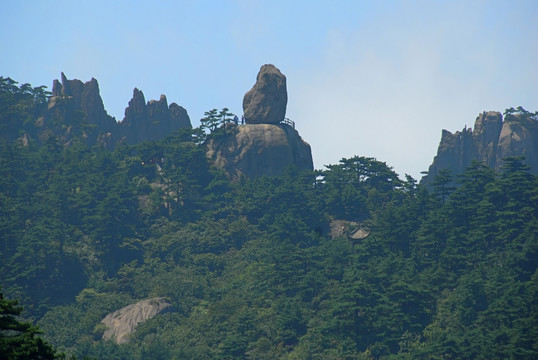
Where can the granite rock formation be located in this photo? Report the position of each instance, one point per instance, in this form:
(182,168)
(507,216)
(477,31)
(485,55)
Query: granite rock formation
(254,150)
(519,138)
(265,145)
(80,107)
(266,102)
(77,103)
(152,120)
(121,323)
(491,140)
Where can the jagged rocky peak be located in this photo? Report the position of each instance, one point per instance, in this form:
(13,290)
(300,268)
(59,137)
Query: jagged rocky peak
(158,108)
(69,97)
(492,139)
(84,95)
(179,117)
(152,120)
(136,112)
(266,102)
(72,88)
(264,146)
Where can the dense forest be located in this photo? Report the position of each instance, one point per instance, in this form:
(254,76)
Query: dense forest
(250,267)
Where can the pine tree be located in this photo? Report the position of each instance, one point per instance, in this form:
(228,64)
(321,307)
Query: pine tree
(19,340)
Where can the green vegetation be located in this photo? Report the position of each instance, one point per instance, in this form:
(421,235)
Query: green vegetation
(18,339)
(250,267)
(214,120)
(19,107)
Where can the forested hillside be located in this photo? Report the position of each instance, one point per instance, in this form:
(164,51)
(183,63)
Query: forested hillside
(250,267)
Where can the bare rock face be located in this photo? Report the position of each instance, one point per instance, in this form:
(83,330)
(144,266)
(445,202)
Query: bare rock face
(254,150)
(151,121)
(491,140)
(76,109)
(179,119)
(266,102)
(518,138)
(454,152)
(72,88)
(122,323)
(76,103)
(487,129)
(133,126)
(92,104)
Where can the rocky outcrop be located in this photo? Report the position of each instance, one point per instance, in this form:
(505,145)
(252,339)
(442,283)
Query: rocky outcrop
(254,150)
(519,137)
(487,128)
(265,145)
(80,106)
(76,109)
(266,102)
(92,105)
(151,121)
(122,323)
(491,140)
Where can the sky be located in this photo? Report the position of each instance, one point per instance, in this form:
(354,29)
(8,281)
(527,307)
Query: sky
(369,78)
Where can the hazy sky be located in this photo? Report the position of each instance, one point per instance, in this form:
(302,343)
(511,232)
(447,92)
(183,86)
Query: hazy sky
(369,78)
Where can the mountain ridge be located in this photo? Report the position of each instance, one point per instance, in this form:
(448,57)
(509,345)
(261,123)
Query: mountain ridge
(75,109)
(493,139)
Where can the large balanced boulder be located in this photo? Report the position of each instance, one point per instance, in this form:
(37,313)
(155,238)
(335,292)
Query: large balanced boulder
(266,102)
(121,323)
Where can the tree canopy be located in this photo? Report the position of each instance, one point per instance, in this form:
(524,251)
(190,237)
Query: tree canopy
(250,267)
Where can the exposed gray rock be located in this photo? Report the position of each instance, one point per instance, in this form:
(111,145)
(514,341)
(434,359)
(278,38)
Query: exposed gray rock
(179,119)
(92,104)
(518,138)
(491,140)
(76,111)
(134,125)
(151,121)
(254,150)
(72,88)
(487,129)
(122,323)
(266,102)
(77,103)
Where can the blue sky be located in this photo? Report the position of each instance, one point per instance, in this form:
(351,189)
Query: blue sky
(368,78)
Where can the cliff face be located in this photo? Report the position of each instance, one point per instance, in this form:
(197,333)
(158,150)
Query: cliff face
(519,138)
(76,109)
(491,140)
(254,150)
